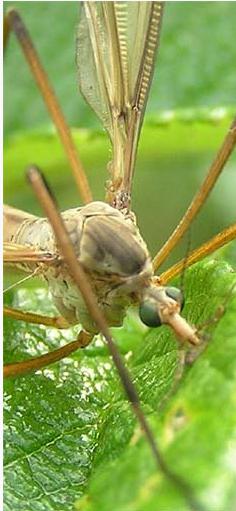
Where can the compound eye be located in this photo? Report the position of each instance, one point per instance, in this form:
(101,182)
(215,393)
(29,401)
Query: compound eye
(148,314)
(175,294)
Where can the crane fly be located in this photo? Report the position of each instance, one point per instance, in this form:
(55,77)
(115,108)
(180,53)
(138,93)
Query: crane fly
(93,257)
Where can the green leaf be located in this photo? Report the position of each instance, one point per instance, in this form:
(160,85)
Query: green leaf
(70,433)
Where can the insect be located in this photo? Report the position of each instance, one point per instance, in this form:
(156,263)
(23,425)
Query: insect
(122,273)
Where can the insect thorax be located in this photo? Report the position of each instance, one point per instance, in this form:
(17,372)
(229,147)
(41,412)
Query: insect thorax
(111,251)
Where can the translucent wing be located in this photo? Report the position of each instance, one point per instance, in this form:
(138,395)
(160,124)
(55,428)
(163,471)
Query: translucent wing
(117,43)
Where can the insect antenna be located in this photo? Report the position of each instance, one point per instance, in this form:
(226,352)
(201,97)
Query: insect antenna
(81,279)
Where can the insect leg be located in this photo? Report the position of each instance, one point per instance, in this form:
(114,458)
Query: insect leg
(13,21)
(80,278)
(30,317)
(199,253)
(34,364)
(201,196)
(6,31)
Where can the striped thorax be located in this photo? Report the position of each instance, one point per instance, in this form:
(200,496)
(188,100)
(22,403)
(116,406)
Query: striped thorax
(110,248)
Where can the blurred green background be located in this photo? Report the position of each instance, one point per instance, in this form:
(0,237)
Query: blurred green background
(190,108)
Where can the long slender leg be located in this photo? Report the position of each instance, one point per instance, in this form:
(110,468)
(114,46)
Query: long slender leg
(14,22)
(34,364)
(6,32)
(199,253)
(30,317)
(82,281)
(201,196)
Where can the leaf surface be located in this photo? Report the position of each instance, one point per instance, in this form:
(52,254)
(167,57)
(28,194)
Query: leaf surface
(70,431)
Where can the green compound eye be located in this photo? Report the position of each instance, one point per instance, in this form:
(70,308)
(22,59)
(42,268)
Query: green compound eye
(175,294)
(148,314)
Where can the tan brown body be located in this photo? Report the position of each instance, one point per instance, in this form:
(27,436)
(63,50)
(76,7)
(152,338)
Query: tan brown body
(107,244)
